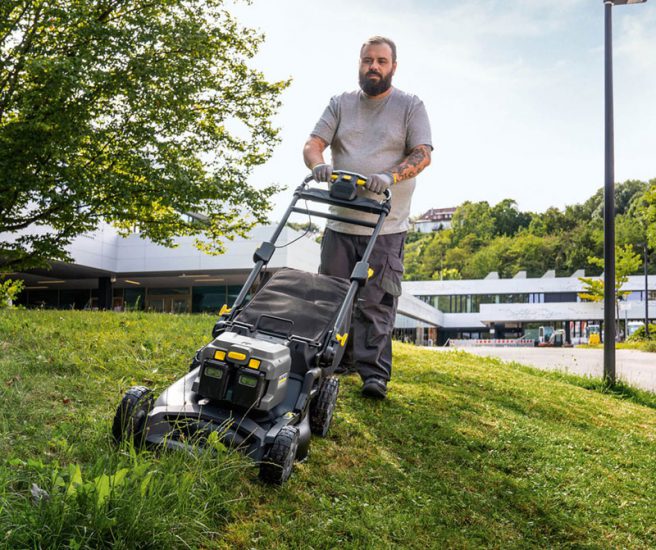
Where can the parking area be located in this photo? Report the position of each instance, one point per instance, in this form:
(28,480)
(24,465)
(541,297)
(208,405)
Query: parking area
(637,368)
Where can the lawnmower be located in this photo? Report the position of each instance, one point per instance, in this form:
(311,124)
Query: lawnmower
(265,382)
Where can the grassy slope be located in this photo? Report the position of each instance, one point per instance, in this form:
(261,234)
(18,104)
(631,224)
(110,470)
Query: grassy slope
(466,452)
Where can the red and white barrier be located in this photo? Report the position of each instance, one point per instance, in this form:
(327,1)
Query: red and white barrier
(502,342)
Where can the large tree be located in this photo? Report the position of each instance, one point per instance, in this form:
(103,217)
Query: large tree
(132,112)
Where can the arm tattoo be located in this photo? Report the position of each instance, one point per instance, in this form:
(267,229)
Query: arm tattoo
(413,164)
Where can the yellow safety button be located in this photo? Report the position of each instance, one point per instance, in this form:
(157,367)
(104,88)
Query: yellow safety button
(220,355)
(342,338)
(237,356)
(346,177)
(361,181)
(370,273)
(254,363)
(225,309)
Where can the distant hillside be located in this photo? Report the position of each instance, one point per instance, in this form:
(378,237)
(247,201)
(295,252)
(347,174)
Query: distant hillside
(501,238)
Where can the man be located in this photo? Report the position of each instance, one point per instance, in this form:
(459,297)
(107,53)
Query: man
(383,134)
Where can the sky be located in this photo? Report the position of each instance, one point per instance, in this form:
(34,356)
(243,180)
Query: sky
(514,90)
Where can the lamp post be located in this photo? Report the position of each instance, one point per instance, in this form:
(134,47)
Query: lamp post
(609,197)
(646,293)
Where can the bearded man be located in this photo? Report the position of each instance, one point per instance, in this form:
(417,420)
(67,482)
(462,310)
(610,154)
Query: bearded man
(383,134)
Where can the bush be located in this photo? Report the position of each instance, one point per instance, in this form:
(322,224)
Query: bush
(9,290)
(639,334)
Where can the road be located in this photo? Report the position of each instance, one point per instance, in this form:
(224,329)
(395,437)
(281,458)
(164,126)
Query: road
(637,368)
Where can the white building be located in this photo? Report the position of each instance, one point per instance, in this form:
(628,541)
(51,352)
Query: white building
(434,219)
(510,308)
(110,272)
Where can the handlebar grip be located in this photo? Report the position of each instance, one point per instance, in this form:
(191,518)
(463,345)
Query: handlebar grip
(360,180)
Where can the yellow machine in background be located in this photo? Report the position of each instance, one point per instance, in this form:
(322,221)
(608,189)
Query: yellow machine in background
(593,334)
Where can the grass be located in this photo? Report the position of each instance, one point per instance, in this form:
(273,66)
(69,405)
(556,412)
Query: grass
(466,452)
(640,345)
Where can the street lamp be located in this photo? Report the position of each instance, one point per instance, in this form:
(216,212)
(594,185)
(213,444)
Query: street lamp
(609,199)
(646,292)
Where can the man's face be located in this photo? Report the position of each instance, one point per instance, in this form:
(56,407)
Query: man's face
(376,69)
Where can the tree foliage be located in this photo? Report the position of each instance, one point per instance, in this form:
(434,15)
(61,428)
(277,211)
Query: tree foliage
(627,261)
(9,291)
(501,238)
(132,112)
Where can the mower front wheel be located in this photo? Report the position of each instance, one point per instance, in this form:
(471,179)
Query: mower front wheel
(130,417)
(323,406)
(277,466)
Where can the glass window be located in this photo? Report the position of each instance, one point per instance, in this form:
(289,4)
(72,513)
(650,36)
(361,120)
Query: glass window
(73,299)
(444,304)
(134,298)
(208,299)
(43,298)
(555,297)
(167,291)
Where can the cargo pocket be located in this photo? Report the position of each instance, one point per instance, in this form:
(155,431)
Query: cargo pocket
(391,281)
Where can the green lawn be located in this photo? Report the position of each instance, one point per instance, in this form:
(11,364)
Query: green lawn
(466,453)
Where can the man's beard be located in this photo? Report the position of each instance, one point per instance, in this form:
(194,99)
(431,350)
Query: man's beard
(374,88)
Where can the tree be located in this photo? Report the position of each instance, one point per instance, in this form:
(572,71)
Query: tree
(488,258)
(134,113)
(508,219)
(473,220)
(627,262)
(648,213)
(533,254)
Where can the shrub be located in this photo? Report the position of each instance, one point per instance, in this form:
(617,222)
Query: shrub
(9,290)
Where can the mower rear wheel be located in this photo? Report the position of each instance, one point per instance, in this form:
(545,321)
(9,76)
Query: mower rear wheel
(323,406)
(277,465)
(130,417)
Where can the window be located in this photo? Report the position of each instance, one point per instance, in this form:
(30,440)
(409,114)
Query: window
(208,299)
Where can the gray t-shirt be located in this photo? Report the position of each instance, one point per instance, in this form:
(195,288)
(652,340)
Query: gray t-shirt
(369,136)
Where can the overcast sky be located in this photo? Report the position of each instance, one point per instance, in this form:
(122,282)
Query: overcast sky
(513,89)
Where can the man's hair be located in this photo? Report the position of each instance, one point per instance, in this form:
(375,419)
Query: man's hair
(380,40)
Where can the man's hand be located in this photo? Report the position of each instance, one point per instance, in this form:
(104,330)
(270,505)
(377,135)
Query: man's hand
(378,183)
(322,172)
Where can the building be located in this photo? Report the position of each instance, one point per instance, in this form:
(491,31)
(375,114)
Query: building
(512,308)
(111,272)
(434,219)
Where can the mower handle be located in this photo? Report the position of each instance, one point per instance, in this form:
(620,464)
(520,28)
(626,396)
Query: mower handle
(360,180)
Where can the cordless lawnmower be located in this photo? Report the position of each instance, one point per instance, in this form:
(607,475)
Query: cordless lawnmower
(265,382)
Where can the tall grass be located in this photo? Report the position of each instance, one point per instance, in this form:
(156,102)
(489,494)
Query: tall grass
(121,499)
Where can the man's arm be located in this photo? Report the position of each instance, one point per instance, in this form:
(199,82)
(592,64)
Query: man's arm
(313,151)
(413,164)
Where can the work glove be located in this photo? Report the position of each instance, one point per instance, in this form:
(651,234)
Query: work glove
(322,172)
(379,183)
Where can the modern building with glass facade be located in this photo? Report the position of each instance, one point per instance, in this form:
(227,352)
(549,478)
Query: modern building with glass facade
(111,272)
(511,308)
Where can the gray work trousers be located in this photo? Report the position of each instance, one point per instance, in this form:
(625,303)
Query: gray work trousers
(369,346)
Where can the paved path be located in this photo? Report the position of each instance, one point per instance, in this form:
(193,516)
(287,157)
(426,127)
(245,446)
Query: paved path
(638,368)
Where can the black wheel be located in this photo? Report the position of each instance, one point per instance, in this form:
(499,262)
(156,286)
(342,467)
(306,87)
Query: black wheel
(277,465)
(323,406)
(130,417)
